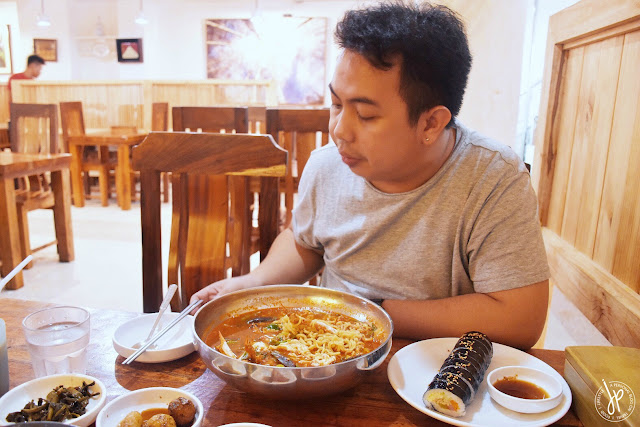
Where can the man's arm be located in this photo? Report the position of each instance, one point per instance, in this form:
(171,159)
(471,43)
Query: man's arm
(513,317)
(287,262)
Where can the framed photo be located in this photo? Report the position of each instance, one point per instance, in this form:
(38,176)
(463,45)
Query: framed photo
(244,49)
(129,50)
(46,48)
(5,50)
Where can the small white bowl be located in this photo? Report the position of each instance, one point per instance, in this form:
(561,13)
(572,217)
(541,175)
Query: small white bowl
(548,383)
(146,398)
(15,399)
(176,343)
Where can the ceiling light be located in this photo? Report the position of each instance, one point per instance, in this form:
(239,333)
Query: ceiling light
(140,18)
(43,20)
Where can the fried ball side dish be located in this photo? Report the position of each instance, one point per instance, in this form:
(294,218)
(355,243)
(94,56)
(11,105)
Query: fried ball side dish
(160,420)
(133,419)
(183,411)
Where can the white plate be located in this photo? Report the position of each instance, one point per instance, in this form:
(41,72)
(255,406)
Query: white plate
(146,398)
(413,367)
(15,399)
(176,343)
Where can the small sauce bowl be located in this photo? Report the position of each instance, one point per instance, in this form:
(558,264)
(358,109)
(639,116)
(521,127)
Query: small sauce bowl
(548,383)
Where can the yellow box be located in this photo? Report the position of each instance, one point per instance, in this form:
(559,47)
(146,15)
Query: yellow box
(605,383)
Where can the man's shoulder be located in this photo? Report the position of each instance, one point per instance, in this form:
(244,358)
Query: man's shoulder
(19,76)
(495,153)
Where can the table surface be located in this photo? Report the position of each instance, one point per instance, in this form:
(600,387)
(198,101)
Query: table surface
(371,403)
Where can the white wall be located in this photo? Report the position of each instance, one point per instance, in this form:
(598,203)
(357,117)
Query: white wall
(174,48)
(9,15)
(535,45)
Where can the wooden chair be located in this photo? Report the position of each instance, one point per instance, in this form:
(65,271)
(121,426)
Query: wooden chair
(215,119)
(160,123)
(202,222)
(34,130)
(92,160)
(296,131)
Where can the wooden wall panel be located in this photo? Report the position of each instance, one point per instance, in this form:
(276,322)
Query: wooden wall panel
(565,122)
(128,103)
(594,258)
(616,246)
(626,264)
(591,142)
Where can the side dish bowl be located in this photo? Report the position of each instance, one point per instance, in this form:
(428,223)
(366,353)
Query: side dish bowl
(176,343)
(290,382)
(145,398)
(527,406)
(15,399)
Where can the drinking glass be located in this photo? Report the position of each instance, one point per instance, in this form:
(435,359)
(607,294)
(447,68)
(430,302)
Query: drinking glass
(57,339)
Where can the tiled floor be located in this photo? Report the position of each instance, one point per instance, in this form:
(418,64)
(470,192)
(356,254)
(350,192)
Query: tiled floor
(107,271)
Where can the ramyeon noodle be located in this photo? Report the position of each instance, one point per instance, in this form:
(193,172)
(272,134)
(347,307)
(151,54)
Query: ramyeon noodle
(322,342)
(295,337)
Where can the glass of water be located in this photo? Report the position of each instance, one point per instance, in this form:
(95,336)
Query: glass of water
(57,339)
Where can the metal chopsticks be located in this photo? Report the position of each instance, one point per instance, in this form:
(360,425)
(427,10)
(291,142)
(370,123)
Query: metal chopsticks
(157,336)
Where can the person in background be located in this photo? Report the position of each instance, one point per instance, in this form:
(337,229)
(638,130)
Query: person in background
(34,67)
(410,207)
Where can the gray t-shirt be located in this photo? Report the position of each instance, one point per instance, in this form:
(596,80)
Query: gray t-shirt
(472,227)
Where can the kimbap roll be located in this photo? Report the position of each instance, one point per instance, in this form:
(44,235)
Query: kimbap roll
(459,378)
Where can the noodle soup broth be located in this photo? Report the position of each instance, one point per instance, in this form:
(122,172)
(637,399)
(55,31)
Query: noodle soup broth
(294,337)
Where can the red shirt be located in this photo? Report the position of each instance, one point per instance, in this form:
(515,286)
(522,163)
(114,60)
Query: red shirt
(17,76)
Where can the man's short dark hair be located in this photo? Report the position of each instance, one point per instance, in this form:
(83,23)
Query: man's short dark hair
(431,41)
(34,59)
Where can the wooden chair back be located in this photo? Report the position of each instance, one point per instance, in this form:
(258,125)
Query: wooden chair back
(257,119)
(210,119)
(34,128)
(213,189)
(159,116)
(202,224)
(92,158)
(296,130)
(72,120)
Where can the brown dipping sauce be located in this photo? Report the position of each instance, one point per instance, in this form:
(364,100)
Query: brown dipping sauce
(519,388)
(148,413)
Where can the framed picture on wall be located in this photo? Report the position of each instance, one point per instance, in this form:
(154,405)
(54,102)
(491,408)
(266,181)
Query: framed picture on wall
(5,50)
(129,50)
(46,48)
(290,50)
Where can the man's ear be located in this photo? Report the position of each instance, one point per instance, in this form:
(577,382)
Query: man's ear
(433,122)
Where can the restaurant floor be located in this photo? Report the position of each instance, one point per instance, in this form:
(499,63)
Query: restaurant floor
(107,270)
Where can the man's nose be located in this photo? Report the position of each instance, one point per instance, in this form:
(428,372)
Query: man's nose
(342,130)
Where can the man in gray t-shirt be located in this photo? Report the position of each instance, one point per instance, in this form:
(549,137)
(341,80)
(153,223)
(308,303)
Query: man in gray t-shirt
(472,227)
(410,207)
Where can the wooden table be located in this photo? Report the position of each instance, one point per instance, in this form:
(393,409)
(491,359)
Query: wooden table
(372,403)
(15,165)
(123,142)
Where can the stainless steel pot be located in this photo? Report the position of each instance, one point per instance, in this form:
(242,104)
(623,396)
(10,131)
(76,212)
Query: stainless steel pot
(282,382)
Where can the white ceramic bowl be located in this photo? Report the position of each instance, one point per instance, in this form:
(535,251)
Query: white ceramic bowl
(16,398)
(176,343)
(527,406)
(146,398)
